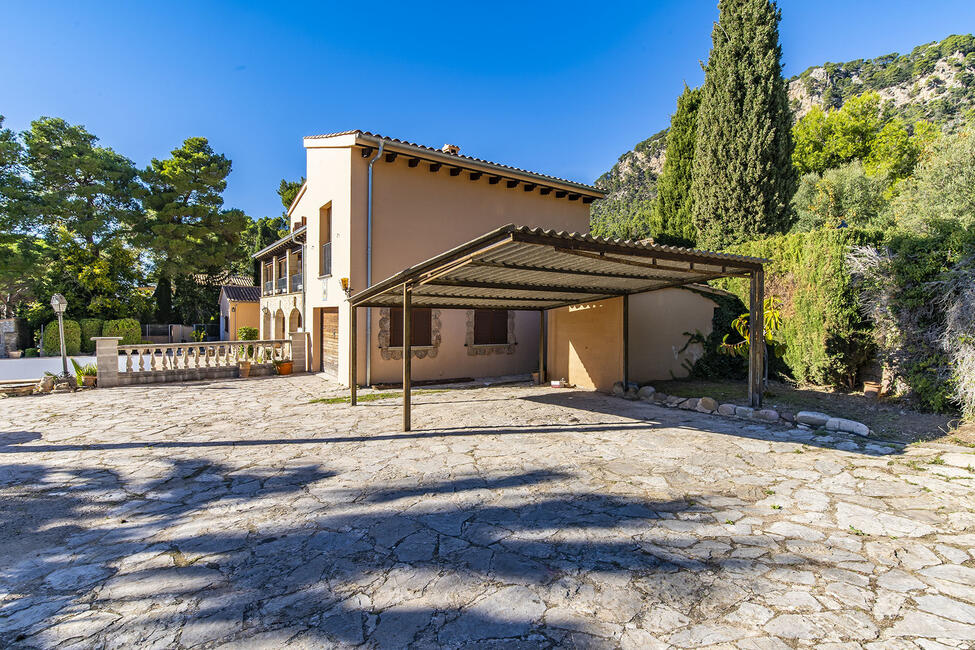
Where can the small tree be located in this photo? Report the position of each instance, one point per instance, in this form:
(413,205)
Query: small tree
(771,326)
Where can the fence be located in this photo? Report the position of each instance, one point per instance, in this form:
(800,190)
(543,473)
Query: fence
(122,365)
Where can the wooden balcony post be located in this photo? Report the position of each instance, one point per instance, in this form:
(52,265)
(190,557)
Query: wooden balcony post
(756,338)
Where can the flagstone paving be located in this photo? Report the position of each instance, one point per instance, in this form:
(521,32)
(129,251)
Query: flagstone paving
(238,514)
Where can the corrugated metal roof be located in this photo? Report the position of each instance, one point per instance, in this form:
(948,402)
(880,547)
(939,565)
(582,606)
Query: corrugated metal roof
(281,243)
(500,166)
(517,267)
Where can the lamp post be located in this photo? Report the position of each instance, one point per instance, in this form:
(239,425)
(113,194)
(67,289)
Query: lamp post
(60,304)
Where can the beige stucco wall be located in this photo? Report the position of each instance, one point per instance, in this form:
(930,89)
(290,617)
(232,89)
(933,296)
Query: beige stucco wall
(658,320)
(244,314)
(585,344)
(417,214)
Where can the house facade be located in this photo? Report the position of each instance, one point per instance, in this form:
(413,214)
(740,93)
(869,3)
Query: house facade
(373,206)
(239,307)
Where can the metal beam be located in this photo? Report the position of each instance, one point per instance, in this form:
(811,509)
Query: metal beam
(407,356)
(626,342)
(542,347)
(543,288)
(756,338)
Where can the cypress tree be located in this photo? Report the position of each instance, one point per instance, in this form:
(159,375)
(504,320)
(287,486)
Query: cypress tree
(743,176)
(673,207)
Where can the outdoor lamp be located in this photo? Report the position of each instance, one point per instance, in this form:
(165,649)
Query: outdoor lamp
(345,287)
(60,304)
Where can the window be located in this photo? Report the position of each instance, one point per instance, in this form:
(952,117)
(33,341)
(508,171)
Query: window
(325,239)
(490,327)
(421,332)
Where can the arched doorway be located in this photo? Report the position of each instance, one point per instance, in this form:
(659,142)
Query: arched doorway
(294,320)
(279,324)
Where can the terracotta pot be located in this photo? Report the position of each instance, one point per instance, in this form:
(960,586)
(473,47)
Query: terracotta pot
(285,367)
(88,381)
(16,354)
(245,368)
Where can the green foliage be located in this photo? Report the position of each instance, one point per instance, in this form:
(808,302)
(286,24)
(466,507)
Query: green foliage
(128,328)
(87,370)
(31,352)
(81,196)
(942,190)
(288,190)
(771,324)
(841,195)
(859,131)
(673,212)
(828,340)
(72,338)
(712,364)
(743,179)
(247,333)
(631,184)
(915,289)
(90,327)
(844,80)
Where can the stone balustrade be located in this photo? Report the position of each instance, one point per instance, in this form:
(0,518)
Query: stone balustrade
(122,365)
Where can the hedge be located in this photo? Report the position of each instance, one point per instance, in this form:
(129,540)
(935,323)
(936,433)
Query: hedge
(247,334)
(89,327)
(829,341)
(128,328)
(72,338)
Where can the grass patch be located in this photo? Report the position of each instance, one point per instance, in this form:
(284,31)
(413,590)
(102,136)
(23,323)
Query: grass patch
(370,397)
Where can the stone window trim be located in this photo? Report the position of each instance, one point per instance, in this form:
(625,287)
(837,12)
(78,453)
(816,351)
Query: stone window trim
(484,350)
(388,352)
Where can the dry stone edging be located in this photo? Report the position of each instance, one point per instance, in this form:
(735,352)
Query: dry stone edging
(803,419)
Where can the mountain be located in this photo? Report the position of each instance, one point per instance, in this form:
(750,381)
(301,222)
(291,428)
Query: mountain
(935,81)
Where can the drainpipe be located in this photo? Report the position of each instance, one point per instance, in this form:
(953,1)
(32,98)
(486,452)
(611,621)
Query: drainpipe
(378,155)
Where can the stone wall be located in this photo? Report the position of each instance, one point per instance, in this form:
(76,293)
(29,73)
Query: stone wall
(13,335)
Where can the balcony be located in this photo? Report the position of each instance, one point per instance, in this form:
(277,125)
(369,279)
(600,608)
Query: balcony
(282,285)
(296,282)
(268,287)
(326,259)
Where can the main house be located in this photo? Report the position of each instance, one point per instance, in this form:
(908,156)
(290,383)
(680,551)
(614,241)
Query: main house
(372,206)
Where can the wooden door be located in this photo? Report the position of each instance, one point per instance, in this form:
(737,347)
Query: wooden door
(330,343)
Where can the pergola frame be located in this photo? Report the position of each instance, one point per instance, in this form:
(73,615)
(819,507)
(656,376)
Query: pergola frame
(530,269)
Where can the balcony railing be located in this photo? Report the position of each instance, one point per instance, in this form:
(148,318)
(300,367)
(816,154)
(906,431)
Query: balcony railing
(327,258)
(296,282)
(268,287)
(282,285)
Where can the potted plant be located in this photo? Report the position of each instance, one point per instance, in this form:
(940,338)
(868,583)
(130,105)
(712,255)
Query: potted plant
(87,375)
(244,367)
(283,367)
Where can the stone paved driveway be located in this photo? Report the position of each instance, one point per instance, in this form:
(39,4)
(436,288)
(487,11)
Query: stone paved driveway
(238,513)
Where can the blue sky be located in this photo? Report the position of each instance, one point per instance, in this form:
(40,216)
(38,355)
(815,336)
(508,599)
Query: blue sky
(562,88)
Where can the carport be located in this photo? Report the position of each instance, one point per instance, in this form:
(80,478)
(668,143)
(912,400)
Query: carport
(522,268)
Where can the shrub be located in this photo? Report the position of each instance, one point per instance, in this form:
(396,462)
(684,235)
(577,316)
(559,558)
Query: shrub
(31,352)
(89,327)
(247,334)
(828,340)
(72,338)
(128,328)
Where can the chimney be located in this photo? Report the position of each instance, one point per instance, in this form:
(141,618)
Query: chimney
(450,148)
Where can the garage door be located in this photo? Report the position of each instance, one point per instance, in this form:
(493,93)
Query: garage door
(330,343)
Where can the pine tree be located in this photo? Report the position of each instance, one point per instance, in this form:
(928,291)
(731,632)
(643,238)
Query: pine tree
(673,208)
(743,175)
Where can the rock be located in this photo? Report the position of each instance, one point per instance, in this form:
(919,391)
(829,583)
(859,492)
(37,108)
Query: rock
(727,409)
(674,400)
(630,394)
(770,415)
(46,384)
(707,405)
(689,404)
(812,418)
(847,426)
(788,416)
(744,411)
(646,392)
(618,389)
(660,397)
(64,387)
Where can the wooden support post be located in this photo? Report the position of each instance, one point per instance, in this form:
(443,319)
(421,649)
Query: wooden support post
(542,345)
(756,338)
(407,355)
(626,341)
(353,335)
